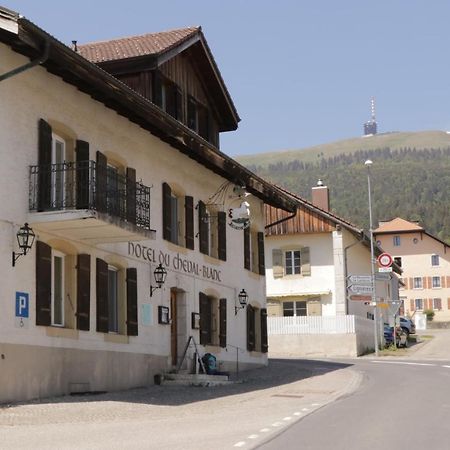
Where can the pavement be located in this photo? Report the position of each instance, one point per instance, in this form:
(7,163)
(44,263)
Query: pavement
(243,415)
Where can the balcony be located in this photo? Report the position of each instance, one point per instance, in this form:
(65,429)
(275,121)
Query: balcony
(96,205)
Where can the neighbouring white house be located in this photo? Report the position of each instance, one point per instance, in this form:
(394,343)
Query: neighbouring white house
(425,262)
(111,165)
(309,257)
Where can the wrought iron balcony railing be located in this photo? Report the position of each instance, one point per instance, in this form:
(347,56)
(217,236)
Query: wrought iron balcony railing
(82,185)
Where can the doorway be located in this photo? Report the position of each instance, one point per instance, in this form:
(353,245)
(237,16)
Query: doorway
(174,327)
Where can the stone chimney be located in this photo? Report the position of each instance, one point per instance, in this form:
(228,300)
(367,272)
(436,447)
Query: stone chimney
(321,196)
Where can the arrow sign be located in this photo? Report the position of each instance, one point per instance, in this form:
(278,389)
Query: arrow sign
(360,279)
(360,298)
(383,276)
(360,289)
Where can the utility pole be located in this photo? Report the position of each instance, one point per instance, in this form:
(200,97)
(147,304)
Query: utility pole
(368,164)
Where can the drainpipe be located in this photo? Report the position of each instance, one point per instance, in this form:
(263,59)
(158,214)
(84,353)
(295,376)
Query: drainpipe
(345,268)
(282,220)
(29,65)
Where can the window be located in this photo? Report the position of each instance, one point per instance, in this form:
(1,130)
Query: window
(437,303)
(57,171)
(212,320)
(113,300)
(297,308)
(436,282)
(435,260)
(396,241)
(292,263)
(58,289)
(398,261)
(418,283)
(418,303)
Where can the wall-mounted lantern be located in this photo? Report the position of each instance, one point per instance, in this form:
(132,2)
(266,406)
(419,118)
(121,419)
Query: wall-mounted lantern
(25,238)
(160,274)
(243,299)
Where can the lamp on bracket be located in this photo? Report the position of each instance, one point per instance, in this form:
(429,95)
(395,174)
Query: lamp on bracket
(243,299)
(160,274)
(25,238)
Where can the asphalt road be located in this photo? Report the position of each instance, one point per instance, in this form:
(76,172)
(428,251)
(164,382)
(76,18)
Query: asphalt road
(400,404)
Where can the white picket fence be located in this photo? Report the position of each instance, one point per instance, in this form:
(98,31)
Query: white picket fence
(318,325)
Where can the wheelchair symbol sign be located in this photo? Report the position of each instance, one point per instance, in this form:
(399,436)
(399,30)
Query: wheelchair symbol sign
(22,304)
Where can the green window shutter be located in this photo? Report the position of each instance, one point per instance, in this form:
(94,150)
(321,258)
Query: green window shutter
(82,174)
(277,263)
(222,232)
(43,283)
(264,339)
(305,261)
(167,211)
(261,262)
(250,328)
(44,161)
(247,249)
(205,319)
(102,296)
(83,291)
(189,221)
(203,228)
(101,182)
(223,322)
(132,302)
(131,195)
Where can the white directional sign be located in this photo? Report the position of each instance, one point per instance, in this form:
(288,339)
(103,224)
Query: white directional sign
(360,279)
(384,269)
(360,289)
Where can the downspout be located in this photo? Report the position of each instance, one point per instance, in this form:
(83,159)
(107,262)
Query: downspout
(282,220)
(345,268)
(29,65)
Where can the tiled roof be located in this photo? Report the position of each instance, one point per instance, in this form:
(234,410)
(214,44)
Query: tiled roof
(134,46)
(396,225)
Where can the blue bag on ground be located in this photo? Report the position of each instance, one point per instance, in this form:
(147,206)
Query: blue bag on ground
(209,361)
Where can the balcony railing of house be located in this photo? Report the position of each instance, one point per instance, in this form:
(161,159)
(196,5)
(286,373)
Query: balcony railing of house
(82,185)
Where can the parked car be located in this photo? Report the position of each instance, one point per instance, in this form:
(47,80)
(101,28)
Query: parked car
(407,325)
(401,337)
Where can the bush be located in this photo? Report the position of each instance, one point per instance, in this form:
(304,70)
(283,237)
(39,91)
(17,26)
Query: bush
(430,314)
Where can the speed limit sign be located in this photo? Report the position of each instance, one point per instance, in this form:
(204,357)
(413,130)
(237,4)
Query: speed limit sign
(385,260)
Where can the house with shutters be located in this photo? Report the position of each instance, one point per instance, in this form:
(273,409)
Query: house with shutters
(111,164)
(425,261)
(309,256)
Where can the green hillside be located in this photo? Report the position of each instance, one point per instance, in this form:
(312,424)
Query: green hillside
(410,176)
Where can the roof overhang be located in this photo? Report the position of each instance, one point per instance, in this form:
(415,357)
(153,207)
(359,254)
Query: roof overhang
(28,39)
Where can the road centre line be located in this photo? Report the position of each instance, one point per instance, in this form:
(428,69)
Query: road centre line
(447,367)
(239,444)
(253,436)
(404,363)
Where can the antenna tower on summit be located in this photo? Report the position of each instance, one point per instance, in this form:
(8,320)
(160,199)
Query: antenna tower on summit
(370,127)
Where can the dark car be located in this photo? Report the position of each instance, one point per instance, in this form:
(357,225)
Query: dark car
(401,338)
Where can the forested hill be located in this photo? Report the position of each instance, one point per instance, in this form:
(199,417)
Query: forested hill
(411,182)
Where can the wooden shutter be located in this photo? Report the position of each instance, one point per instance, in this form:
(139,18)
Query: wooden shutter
(412,305)
(167,211)
(205,319)
(250,328)
(203,228)
(222,232)
(43,283)
(82,175)
(132,306)
(102,296)
(261,262)
(189,221)
(44,162)
(157,88)
(264,340)
(305,261)
(247,249)
(179,104)
(223,322)
(277,263)
(83,291)
(101,181)
(131,195)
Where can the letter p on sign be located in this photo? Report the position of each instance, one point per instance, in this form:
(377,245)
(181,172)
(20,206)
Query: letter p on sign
(22,304)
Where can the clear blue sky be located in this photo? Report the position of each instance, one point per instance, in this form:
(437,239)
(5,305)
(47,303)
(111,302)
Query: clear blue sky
(301,73)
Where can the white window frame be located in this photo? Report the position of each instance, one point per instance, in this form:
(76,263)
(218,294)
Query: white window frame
(295,307)
(58,176)
(293,267)
(416,300)
(436,285)
(396,241)
(113,269)
(416,279)
(433,259)
(62,256)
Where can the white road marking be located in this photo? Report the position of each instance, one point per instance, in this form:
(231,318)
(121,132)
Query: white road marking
(447,367)
(287,418)
(305,409)
(239,444)
(264,430)
(297,414)
(404,363)
(253,436)
(277,424)
(315,404)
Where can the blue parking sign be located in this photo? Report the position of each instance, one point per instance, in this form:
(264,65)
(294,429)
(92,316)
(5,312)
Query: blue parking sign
(22,304)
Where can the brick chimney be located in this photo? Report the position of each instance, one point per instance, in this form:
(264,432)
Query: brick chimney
(321,196)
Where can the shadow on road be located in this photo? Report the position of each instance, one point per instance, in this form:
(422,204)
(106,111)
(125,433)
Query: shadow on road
(279,372)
